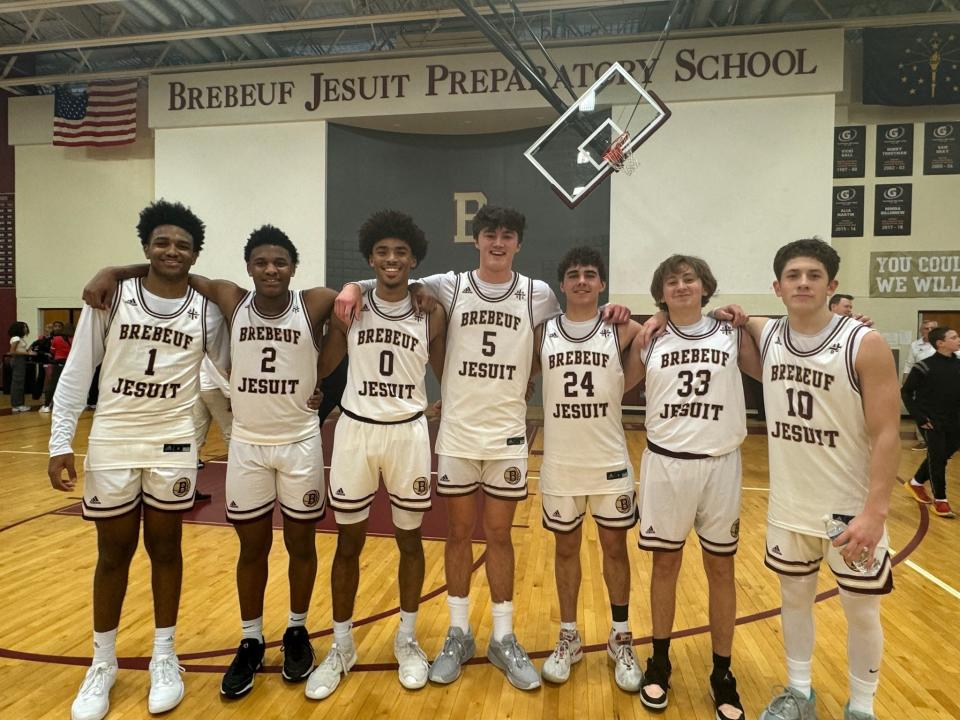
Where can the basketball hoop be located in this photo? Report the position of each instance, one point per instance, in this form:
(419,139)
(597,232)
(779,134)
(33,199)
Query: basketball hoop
(615,154)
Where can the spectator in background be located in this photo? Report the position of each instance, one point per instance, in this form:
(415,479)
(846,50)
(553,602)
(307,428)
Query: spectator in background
(932,395)
(59,349)
(19,350)
(920,349)
(41,348)
(841,304)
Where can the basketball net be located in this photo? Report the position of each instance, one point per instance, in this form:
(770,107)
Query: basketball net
(619,157)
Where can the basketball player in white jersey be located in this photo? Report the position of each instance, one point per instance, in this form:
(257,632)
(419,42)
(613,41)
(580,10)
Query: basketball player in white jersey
(690,474)
(491,314)
(585,458)
(832,402)
(381,431)
(141,451)
(275,453)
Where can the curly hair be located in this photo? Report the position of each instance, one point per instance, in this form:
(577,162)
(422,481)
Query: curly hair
(163,212)
(491,217)
(392,224)
(811,248)
(672,266)
(17,329)
(270,235)
(583,256)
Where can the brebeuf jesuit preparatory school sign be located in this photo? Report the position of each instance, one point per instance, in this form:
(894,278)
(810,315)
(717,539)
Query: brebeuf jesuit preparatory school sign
(704,68)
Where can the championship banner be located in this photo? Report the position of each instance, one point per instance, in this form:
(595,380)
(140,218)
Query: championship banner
(848,211)
(892,209)
(927,274)
(941,148)
(849,151)
(916,65)
(894,150)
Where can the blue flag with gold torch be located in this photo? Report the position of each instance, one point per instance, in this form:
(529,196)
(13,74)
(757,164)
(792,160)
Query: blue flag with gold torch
(916,65)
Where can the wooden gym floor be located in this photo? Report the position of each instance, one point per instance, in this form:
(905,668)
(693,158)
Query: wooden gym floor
(47,555)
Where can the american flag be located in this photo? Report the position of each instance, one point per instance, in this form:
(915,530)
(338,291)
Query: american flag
(105,115)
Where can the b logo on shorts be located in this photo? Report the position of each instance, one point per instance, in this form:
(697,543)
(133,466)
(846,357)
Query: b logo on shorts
(421,486)
(735,529)
(623,504)
(181,487)
(512,475)
(311,498)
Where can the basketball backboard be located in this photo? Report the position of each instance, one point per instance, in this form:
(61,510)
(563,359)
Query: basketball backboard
(597,134)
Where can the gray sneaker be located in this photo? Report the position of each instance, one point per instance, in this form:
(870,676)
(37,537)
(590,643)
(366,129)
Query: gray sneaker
(849,714)
(789,704)
(457,649)
(509,656)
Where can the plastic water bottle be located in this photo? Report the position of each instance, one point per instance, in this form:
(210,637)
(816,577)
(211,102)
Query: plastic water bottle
(835,525)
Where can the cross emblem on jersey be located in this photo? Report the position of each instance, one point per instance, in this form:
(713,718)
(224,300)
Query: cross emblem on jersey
(295,308)
(418,316)
(520,294)
(193,314)
(726,329)
(835,348)
(605,332)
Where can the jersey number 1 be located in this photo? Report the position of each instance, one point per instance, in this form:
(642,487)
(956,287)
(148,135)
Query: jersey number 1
(152,352)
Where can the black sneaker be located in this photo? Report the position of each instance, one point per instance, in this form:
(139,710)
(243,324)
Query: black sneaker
(238,680)
(657,675)
(724,692)
(200,464)
(298,654)
(200,497)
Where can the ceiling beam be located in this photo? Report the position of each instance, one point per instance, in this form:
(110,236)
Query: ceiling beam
(25,5)
(287,25)
(846,23)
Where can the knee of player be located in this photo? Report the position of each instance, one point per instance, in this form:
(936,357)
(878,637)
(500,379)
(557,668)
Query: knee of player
(667,562)
(719,568)
(116,555)
(300,548)
(409,541)
(568,546)
(163,549)
(460,531)
(350,541)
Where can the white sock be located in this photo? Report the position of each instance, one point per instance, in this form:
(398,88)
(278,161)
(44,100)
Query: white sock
(502,620)
(408,625)
(163,641)
(797,595)
(295,619)
(913,481)
(864,648)
(105,647)
(568,627)
(343,633)
(459,612)
(620,627)
(252,629)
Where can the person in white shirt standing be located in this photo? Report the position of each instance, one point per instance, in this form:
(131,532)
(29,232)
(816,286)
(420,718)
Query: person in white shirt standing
(585,458)
(381,432)
(833,415)
(141,451)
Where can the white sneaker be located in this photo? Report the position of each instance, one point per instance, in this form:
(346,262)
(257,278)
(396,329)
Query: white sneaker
(166,685)
(93,699)
(20,409)
(413,663)
(46,409)
(626,669)
(568,652)
(325,678)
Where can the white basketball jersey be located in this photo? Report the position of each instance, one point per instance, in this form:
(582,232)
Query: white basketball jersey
(274,359)
(582,416)
(388,347)
(818,442)
(694,390)
(489,347)
(149,379)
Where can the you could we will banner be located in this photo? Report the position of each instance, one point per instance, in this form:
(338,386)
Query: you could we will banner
(926,273)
